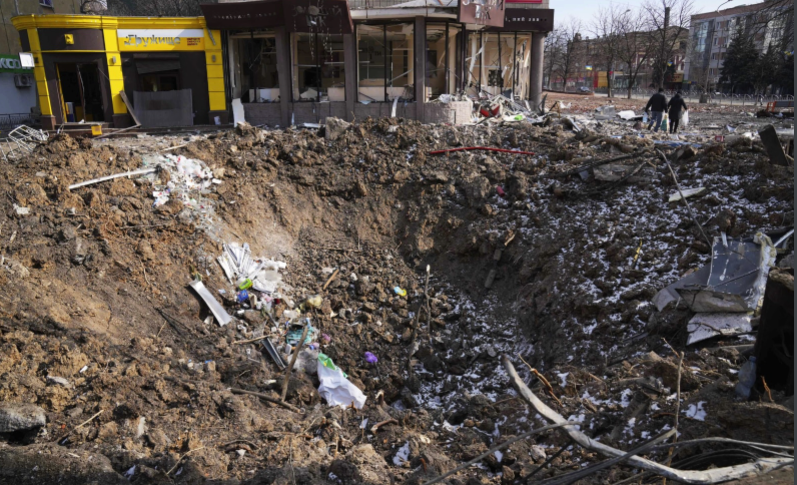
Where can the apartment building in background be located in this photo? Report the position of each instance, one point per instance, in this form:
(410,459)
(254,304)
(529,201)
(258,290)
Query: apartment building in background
(711,33)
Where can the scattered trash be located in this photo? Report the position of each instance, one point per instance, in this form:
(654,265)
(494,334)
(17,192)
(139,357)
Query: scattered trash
(295,334)
(400,291)
(629,115)
(188,178)
(687,193)
(371,358)
(218,311)
(237,263)
(335,387)
(21,211)
(314,301)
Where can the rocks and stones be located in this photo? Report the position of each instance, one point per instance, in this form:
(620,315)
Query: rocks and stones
(21,417)
(335,128)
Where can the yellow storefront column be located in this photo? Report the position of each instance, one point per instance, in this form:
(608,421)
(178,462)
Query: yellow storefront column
(113,59)
(41,79)
(215,68)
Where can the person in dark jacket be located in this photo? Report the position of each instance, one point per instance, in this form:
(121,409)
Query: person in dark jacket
(674,111)
(658,105)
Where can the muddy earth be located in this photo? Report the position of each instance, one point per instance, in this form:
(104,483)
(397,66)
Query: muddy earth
(111,370)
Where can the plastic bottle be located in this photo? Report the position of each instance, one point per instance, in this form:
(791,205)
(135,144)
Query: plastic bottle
(644,118)
(747,377)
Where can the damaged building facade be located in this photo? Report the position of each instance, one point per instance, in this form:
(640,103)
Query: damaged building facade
(295,62)
(91,68)
(280,62)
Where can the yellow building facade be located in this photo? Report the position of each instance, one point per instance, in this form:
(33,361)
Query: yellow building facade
(170,70)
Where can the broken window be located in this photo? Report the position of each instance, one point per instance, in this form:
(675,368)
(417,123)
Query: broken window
(385,61)
(474,48)
(254,56)
(436,59)
(318,70)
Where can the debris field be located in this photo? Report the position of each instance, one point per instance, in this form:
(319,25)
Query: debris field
(147,322)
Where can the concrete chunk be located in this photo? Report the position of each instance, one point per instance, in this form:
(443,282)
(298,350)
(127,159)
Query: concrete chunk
(21,417)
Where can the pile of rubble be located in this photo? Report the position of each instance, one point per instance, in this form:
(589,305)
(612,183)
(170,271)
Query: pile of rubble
(394,260)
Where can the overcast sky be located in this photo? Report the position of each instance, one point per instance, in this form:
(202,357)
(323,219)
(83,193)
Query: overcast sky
(585,10)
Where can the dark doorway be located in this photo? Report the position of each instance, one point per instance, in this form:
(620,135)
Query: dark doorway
(81,95)
(160,82)
(80,92)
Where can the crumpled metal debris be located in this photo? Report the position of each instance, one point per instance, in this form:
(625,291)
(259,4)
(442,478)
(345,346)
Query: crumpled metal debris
(21,141)
(731,287)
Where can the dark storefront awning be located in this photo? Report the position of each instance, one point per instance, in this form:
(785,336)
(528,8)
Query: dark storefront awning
(327,17)
(157,65)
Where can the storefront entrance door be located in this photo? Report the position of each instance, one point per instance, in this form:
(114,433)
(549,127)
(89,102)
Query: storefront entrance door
(80,93)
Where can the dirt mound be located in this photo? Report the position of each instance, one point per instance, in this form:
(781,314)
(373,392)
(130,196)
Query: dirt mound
(524,258)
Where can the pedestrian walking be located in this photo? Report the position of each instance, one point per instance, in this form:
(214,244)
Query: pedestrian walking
(674,111)
(657,104)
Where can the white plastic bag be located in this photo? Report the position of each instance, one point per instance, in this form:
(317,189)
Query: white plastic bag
(335,388)
(685,119)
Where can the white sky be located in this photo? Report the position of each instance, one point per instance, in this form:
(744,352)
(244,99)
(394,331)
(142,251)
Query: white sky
(585,10)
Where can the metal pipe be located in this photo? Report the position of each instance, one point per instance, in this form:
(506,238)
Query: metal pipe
(144,171)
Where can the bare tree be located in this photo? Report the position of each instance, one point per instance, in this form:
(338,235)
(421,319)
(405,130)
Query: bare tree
(570,47)
(667,21)
(606,29)
(634,45)
(777,15)
(156,8)
(553,54)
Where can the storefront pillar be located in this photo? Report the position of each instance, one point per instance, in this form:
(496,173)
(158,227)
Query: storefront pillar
(350,68)
(214,62)
(420,67)
(537,58)
(283,45)
(47,118)
(113,58)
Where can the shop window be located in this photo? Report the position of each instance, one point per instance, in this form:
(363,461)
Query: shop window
(436,58)
(385,62)
(318,68)
(501,61)
(255,58)
(160,82)
(473,62)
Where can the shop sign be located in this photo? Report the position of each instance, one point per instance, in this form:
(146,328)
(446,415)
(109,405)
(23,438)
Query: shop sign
(481,12)
(315,16)
(318,16)
(244,15)
(527,20)
(11,63)
(148,40)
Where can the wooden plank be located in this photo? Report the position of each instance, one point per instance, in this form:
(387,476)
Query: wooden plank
(129,107)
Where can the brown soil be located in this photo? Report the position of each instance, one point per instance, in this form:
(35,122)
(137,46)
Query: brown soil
(93,288)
